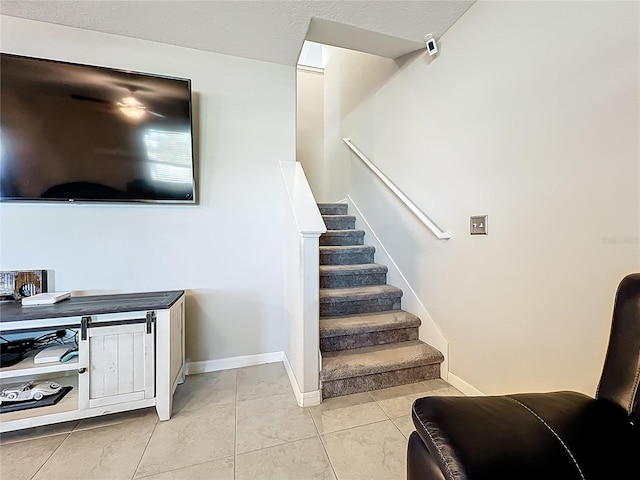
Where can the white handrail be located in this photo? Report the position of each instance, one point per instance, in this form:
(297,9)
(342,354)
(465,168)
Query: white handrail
(437,231)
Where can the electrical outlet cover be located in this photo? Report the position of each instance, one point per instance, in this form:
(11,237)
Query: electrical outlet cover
(478,225)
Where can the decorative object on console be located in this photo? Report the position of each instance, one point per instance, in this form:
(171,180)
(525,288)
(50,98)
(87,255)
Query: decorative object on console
(15,284)
(29,391)
(31,395)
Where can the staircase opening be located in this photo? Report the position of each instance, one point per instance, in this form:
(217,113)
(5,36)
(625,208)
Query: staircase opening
(367,342)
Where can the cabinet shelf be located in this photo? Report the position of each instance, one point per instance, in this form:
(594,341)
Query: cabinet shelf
(68,403)
(26,366)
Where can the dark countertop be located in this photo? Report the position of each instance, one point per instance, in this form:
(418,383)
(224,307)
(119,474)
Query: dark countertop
(90,305)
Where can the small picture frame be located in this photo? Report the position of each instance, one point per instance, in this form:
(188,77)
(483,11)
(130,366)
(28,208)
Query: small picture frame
(16,284)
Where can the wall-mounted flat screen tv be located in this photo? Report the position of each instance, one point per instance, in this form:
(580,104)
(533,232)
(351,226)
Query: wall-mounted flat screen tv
(73,132)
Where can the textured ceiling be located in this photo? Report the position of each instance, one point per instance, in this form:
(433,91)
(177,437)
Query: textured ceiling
(268,30)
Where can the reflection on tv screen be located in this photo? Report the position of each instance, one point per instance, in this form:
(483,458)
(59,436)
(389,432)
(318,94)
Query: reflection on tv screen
(84,133)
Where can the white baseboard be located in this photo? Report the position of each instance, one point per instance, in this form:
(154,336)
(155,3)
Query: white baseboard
(192,368)
(464,387)
(304,399)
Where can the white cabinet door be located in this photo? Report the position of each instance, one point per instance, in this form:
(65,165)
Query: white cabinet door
(121,364)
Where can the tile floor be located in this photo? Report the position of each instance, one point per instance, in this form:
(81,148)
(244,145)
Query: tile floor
(235,424)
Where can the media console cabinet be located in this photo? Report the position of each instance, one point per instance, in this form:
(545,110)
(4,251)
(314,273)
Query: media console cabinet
(130,355)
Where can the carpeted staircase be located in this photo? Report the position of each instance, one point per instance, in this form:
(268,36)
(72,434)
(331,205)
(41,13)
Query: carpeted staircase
(367,341)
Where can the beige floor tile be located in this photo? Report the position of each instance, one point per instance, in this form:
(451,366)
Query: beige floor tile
(37,432)
(398,406)
(397,401)
(111,452)
(447,392)
(371,452)
(205,389)
(22,460)
(346,412)
(190,438)
(263,381)
(146,414)
(301,460)
(270,421)
(435,384)
(404,424)
(217,470)
(400,391)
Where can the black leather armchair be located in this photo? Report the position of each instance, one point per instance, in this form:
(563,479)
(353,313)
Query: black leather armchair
(543,436)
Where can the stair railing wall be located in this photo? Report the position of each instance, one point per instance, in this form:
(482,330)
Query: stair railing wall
(437,231)
(366,197)
(301,290)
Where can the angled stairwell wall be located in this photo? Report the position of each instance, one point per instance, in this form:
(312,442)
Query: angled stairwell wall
(429,331)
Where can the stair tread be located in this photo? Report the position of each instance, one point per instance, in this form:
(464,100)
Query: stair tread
(330,295)
(363,268)
(337,204)
(367,323)
(382,358)
(347,233)
(339,222)
(346,248)
(333,208)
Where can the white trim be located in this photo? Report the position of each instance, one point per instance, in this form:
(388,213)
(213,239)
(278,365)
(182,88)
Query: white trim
(310,69)
(437,231)
(303,203)
(193,368)
(464,387)
(429,330)
(304,399)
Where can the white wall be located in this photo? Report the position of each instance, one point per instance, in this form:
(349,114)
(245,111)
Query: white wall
(227,251)
(531,115)
(310,128)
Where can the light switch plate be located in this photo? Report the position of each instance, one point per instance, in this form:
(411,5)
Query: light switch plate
(478,225)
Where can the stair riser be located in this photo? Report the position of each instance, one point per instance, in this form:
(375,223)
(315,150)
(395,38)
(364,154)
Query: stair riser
(333,209)
(340,223)
(346,281)
(352,307)
(347,342)
(376,381)
(346,258)
(356,238)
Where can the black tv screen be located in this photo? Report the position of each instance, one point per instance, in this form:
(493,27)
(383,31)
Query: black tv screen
(73,132)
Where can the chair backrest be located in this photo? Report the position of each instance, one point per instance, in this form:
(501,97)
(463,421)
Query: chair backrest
(621,373)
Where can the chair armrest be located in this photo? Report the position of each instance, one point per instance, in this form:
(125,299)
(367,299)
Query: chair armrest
(496,437)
